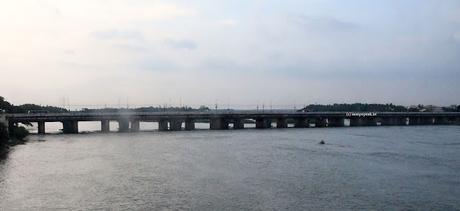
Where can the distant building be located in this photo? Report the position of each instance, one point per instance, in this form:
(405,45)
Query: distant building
(425,108)
(432,108)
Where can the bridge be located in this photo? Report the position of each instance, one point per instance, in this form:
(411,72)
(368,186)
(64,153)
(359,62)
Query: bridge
(222,120)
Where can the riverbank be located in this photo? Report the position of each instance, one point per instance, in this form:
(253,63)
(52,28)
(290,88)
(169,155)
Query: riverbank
(16,136)
(5,145)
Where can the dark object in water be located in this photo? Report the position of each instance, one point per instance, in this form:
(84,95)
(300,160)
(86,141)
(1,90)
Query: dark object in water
(322,142)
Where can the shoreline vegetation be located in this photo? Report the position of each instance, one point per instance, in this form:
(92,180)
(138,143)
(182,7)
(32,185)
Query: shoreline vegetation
(16,135)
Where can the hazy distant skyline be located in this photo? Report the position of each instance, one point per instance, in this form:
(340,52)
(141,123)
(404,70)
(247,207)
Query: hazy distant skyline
(93,52)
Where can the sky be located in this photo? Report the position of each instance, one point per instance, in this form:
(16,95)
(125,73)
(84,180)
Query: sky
(233,53)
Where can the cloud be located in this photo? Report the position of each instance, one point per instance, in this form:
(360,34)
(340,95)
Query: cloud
(221,64)
(297,47)
(181,44)
(118,34)
(456,37)
(227,22)
(323,24)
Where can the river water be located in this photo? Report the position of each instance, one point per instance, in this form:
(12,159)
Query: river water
(366,168)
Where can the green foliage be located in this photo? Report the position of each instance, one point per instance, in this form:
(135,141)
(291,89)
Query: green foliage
(18,133)
(4,105)
(204,108)
(3,133)
(10,108)
(356,107)
(142,109)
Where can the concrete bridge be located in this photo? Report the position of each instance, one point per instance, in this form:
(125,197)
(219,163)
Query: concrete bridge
(221,120)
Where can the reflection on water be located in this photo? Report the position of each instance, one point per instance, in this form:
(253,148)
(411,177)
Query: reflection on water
(384,168)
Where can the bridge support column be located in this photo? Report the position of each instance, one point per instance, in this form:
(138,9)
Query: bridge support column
(421,121)
(135,126)
(371,121)
(163,125)
(41,127)
(300,123)
(175,125)
(428,120)
(238,124)
(335,122)
(441,121)
(452,121)
(414,121)
(392,121)
(105,126)
(189,124)
(358,122)
(320,122)
(218,124)
(403,121)
(70,127)
(123,126)
(281,123)
(263,123)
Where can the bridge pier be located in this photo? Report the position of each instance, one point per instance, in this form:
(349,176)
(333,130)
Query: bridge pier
(135,126)
(263,123)
(357,122)
(105,126)
(301,123)
(421,121)
(372,121)
(335,122)
(163,125)
(452,121)
(70,127)
(175,125)
(218,124)
(320,122)
(393,121)
(41,127)
(281,123)
(430,120)
(123,126)
(441,121)
(238,124)
(413,121)
(189,124)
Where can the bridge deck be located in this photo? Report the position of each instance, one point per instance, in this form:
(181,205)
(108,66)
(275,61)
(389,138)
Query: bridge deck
(155,116)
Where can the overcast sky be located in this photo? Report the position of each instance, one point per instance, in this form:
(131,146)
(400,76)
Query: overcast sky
(234,52)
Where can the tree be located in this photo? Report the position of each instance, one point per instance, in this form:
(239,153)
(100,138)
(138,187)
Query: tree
(3,133)
(203,108)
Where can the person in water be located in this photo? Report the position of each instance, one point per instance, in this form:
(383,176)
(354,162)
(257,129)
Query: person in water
(322,142)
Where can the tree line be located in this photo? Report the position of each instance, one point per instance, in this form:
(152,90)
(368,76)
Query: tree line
(365,107)
(26,108)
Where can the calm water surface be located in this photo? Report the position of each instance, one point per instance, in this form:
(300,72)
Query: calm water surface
(373,168)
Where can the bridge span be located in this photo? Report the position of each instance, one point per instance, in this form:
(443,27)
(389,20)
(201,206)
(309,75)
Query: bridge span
(221,120)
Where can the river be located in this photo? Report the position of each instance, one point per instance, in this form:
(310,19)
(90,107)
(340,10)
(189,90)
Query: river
(362,168)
